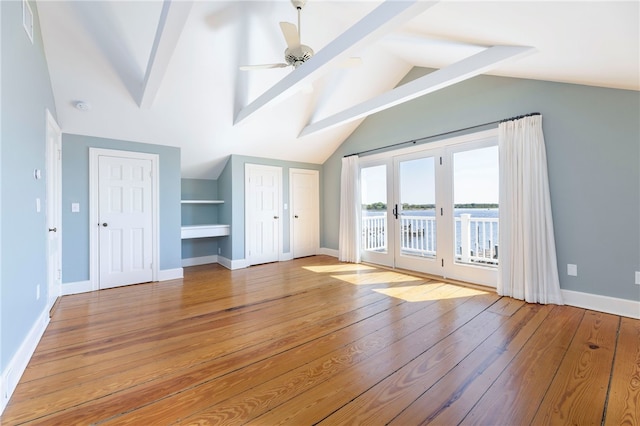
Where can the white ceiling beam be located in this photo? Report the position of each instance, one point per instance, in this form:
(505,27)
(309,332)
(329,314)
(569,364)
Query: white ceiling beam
(447,76)
(382,20)
(171,23)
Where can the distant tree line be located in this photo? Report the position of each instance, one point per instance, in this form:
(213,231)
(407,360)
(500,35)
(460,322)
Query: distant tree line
(406,206)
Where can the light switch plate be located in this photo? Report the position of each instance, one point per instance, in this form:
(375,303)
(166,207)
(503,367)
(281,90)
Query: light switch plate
(38,207)
(572,270)
(638,277)
(75,207)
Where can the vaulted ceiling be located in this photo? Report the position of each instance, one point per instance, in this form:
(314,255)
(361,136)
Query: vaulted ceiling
(167,72)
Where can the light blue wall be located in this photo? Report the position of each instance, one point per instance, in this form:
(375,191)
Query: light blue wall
(75,189)
(26,93)
(231,181)
(199,214)
(593,153)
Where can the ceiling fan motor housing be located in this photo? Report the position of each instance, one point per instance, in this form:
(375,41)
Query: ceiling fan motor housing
(298,4)
(297,56)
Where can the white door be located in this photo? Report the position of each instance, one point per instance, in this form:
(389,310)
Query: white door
(54,243)
(416,222)
(125,220)
(305,222)
(377,230)
(263,211)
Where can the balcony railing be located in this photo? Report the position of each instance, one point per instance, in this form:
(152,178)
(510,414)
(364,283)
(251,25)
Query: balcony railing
(476,237)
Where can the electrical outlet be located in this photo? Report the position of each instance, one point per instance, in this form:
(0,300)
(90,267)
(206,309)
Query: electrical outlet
(572,270)
(38,292)
(638,277)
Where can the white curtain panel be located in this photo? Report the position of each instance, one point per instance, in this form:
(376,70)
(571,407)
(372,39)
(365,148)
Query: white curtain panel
(528,267)
(349,235)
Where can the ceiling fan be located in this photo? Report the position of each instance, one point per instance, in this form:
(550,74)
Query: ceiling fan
(296,53)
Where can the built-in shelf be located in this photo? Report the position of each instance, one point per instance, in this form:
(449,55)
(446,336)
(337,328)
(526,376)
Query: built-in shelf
(202,201)
(204,231)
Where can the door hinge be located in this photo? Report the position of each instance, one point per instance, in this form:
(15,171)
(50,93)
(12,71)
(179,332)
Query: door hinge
(441,161)
(441,212)
(59,154)
(442,262)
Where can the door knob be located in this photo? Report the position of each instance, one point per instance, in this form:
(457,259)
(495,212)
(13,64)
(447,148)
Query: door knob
(105,224)
(296,216)
(53,229)
(276,217)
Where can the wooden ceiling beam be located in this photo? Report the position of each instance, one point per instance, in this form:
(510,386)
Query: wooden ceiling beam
(462,70)
(382,20)
(171,24)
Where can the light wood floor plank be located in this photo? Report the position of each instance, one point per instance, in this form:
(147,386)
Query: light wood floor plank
(320,401)
(449,400)
(518,391)
(623,407)
(316,340)
(579,389)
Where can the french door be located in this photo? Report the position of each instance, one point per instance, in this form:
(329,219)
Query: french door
(435,209)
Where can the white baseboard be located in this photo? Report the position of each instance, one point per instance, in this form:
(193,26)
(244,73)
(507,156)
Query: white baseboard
(284,257)
(233,264)
(87,286)
(170,274)
(596,302)
(202,260)
(76,287)
(16,366)
(328,252)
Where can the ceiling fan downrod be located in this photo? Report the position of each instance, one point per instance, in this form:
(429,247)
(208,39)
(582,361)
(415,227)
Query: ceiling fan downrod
(299,4)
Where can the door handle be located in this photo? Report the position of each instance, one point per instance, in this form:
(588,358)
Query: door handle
(53,229)
(276,217)
(105,224)
(395,211)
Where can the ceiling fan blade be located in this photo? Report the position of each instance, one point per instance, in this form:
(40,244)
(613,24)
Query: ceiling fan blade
(262,67)
(290,33)
(351,62)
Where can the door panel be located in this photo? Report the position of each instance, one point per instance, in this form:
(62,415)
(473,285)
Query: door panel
(416,225)
(125,221)
(377,229)
(476,212)
(54,179)
(263,212)
(305,223)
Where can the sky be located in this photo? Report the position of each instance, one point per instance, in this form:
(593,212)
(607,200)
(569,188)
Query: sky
(475,179)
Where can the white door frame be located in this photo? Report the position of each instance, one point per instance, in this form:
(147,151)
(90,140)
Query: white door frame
(94,255)
(54,211)
(292,206)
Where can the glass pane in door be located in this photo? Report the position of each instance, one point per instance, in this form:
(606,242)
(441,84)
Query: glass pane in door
(373,187)
(476,208)
(417,219)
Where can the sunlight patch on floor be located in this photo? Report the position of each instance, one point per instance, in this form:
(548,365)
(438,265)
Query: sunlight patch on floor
(422,293)
(376,278)
(343,267)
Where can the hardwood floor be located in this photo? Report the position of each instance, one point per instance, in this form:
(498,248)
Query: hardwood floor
(317,341)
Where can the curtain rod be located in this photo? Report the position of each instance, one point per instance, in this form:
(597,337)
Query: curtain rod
(414,141)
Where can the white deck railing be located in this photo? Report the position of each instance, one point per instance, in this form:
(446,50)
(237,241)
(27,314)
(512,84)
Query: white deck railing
(476,237)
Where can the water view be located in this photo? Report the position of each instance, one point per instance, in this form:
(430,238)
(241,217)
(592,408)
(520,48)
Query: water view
(476,233)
